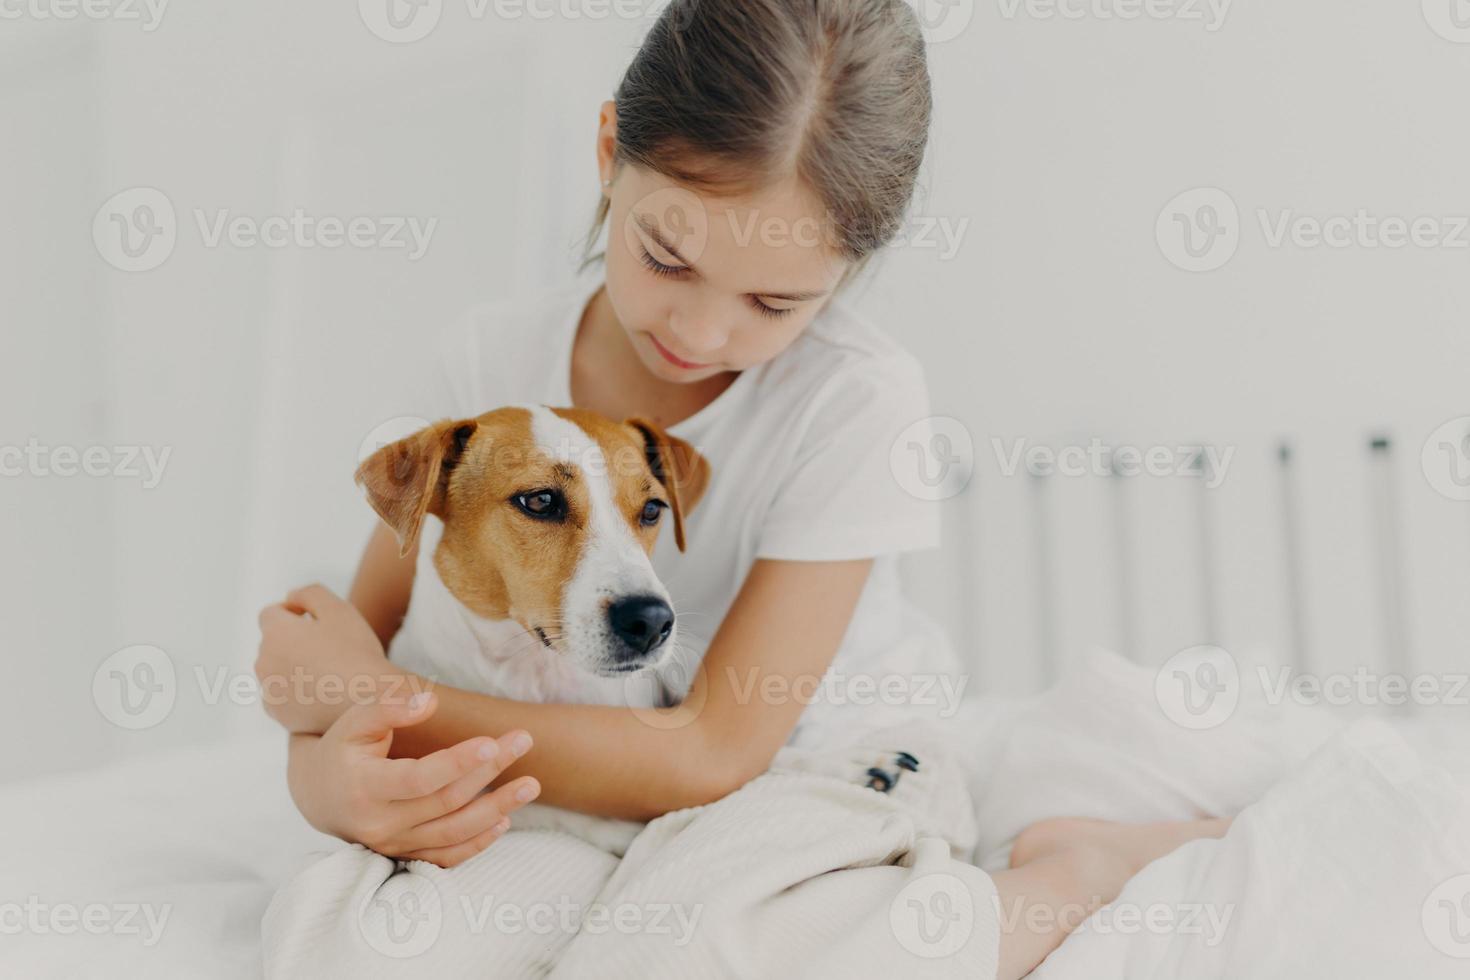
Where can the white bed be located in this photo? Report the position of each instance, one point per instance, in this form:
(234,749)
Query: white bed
(1352,831)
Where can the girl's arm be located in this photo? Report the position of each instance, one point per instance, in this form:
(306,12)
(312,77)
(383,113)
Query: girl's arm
(761,668)
(383,585)
(764,664)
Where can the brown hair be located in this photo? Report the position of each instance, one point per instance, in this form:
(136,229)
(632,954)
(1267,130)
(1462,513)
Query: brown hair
(727,96)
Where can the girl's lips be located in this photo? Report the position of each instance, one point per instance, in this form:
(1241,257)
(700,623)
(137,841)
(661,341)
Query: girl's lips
(671,357)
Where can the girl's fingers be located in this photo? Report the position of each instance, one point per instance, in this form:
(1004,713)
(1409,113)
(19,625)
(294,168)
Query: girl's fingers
(455,794)
(410,779)
(473,819)
(448,857)
(368,723)
(316,599)
(274,616)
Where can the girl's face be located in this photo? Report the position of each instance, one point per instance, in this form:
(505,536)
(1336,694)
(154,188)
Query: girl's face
(704,285)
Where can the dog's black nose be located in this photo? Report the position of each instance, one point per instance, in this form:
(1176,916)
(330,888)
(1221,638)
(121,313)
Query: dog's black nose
(642,622)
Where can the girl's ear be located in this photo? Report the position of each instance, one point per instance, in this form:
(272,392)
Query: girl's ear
(678,466)
(607,142)
(407,479)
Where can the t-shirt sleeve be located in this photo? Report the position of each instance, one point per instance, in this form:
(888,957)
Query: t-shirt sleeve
(839,498)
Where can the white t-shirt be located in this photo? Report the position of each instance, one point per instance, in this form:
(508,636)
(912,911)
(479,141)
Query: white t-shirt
(798,449)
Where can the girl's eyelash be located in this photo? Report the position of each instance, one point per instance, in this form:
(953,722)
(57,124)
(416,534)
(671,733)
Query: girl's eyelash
(658,268)
(770,311)
(674,271)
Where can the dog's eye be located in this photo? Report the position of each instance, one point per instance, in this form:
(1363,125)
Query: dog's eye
(651,510)
(546,504)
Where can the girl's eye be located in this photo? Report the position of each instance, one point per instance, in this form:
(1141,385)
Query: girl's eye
(543,504)
(651,512)
(770,312)
(660,269)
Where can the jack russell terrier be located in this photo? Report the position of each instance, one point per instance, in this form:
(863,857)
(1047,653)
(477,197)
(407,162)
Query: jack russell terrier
(534,583)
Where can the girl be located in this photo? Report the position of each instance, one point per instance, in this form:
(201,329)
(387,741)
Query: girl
(756,154)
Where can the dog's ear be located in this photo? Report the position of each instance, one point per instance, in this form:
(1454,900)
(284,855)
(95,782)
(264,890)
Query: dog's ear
(679,467)
(407,479)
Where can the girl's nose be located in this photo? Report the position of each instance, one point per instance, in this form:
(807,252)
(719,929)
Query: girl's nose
(699,330)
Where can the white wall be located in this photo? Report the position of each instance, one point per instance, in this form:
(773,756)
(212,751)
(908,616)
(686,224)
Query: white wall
(1056,146)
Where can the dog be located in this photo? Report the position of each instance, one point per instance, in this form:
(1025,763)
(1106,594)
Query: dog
(535,582)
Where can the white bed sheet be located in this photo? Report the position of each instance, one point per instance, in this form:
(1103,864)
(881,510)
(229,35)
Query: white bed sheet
(203,836)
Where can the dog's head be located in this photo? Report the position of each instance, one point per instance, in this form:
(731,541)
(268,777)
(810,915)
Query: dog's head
(550,516)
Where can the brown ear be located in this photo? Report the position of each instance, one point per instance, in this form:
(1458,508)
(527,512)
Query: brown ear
(407,479)
(679,467)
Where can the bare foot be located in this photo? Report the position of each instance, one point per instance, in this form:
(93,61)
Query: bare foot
(1135,844)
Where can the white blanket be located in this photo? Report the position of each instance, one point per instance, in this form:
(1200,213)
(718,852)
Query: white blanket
(806,871)
(1346,860)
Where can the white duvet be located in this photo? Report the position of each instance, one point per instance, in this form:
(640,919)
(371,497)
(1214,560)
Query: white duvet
(1350,856)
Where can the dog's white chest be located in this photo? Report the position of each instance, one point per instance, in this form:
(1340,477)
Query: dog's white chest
(443,641)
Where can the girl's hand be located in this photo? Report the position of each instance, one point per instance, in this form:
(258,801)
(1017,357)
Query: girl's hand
(428,809)
(318,657)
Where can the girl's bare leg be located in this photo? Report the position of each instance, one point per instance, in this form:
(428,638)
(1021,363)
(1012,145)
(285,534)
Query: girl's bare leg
(1061,870)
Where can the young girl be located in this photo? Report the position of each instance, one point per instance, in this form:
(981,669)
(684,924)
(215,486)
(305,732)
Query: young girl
(756,155)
